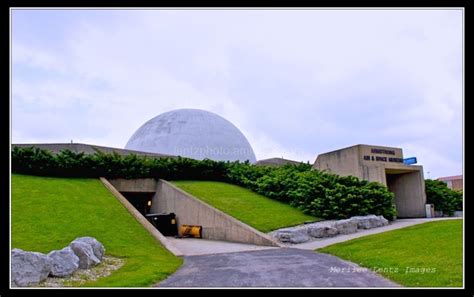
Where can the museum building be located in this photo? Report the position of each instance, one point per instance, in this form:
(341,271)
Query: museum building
(384,165)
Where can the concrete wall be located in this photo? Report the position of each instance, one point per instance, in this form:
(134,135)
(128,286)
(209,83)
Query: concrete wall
(457,184)
(216,224)
(410,197)
(373,173)
(366,150)
(342,162)
(134,185)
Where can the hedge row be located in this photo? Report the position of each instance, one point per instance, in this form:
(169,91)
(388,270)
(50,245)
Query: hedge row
(444,198)
(315,192)
(67,163)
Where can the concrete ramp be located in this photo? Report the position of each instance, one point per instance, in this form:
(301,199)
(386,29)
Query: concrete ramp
(216,224)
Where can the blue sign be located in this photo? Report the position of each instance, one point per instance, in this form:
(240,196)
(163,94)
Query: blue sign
(409,161)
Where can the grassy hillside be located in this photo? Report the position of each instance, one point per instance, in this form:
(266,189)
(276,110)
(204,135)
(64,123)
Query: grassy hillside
(48,213)
(425,255)
(260,212)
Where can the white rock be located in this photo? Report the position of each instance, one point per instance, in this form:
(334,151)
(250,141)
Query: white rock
(28,268)
(346,226)
(64,262)
(366,222)
(383,221)
(97,247)
(320,230)
(291,236)
(369,221)
(84,251)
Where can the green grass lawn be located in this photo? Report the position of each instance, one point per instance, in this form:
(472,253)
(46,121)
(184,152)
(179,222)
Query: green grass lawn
(48,213)
(262,213)
(435,247)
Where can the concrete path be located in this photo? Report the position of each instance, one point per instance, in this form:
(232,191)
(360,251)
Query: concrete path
(198,246)
(398,224)
(281,267)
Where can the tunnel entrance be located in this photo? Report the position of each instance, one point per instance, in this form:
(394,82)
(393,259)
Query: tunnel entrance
(141,193)
(142,201)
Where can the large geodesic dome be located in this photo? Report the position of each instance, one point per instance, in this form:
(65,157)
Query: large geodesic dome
(192,133)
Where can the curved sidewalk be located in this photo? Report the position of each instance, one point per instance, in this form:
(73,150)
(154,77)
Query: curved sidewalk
(398,224)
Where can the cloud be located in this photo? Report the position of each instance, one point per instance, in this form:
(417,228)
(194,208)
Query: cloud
(297,82)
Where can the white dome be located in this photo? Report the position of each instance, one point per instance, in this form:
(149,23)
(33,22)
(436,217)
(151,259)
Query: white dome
(192,133)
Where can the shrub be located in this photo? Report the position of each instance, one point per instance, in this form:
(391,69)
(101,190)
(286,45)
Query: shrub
(443,198)
(325,195)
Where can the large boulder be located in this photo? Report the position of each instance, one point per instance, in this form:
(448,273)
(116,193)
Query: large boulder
(382,221)
(97,247)
(86,255)
(369,221)
(28,268)
(291,236)
(365,222)
(320,230)
(346,226)
(64,262)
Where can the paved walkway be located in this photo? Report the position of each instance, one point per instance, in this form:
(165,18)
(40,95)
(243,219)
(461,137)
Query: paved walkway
(398,224)
(281,267)
(209,263)
(197,246)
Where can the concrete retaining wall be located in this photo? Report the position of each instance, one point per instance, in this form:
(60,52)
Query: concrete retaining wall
(140,218)
(216,224)
(139,185)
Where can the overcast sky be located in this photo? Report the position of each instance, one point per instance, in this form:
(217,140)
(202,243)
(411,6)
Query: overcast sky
(296,82)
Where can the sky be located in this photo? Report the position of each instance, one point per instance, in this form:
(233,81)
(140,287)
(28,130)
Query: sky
(297,83)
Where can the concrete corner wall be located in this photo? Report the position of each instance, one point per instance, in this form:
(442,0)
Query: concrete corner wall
(139,185)
(343,162)
(216,224)
(410,196)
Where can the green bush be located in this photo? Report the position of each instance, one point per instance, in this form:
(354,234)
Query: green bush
(443,198)
(315,192)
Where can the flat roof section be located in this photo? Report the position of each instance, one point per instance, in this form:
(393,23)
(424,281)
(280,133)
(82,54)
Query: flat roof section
(89,149)
(446,178)
(276,162)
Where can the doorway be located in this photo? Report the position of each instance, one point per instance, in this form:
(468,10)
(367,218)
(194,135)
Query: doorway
(142,201)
